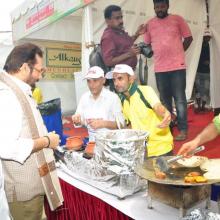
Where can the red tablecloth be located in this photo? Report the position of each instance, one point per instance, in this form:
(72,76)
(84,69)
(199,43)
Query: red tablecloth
(79,205)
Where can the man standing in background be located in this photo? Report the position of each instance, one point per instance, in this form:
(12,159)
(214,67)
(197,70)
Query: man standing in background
(116,45)
(170,36)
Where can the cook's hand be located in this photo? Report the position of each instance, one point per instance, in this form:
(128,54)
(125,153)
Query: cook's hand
(187,148)
(96,123)
(54,140)
(166,120)
(76,119)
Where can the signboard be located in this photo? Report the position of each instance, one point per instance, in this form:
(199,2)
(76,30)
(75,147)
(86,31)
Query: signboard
(48,11)
(61,60)
(59,57)
(39,15)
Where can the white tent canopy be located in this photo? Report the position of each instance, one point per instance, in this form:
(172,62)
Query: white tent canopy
(4,51)
(87,24)
(5,47)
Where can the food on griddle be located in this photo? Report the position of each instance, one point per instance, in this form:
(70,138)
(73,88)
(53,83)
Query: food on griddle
(200,179)
(193,177)
(193,161)
(194,174)
(189,179)
(160,175)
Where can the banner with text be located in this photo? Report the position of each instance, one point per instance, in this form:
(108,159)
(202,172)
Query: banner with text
(44,13)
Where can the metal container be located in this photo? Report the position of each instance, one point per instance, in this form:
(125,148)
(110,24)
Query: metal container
(121,151)
(116,155)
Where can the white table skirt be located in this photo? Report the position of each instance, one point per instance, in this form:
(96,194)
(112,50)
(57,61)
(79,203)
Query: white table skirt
(133,206)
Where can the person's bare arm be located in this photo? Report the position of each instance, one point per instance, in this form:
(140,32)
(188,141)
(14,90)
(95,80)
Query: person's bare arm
(141,29)
(110,124)
(208,134)
(51,140)
(187,42)
(99,123)
(161,111)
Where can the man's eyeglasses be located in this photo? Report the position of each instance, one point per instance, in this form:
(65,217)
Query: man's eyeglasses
(41,71)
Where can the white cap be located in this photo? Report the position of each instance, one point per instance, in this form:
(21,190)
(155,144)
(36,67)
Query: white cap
(120,68)
(94,72)
(207,33)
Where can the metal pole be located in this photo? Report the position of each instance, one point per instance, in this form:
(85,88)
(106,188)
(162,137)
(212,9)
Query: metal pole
(207,12)
(87,37)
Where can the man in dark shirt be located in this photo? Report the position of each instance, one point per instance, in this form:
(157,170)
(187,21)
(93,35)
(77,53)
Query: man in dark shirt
(202,81)
(117,46)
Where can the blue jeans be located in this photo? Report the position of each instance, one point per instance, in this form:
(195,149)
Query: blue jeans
(172,85)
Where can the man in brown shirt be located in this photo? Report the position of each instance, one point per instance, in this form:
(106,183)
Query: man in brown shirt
(117,46)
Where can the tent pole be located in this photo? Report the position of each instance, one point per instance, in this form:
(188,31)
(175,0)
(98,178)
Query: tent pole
(207,13)
(87,37)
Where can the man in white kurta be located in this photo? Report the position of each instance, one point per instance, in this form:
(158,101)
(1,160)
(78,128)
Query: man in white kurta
(99,109)
(12,147)
(15,144)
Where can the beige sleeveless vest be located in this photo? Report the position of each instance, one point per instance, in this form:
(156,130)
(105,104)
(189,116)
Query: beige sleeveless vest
(37,175)
(22,180)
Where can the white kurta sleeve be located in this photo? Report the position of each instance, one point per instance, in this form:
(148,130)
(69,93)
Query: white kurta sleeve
(12,146)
